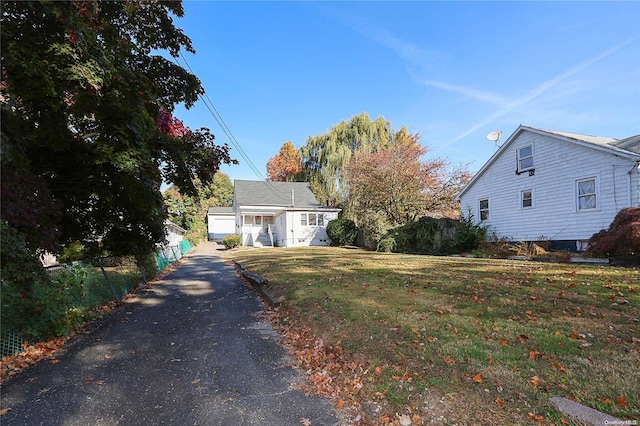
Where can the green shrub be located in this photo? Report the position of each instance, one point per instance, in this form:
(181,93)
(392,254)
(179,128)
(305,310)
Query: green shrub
(427,235)
(342,232)
(72,252)
(231,241)
(54,307)
(197,232)
(375,226)
(387,244)
(470,235)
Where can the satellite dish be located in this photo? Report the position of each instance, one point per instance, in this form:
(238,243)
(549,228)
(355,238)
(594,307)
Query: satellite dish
(495,135)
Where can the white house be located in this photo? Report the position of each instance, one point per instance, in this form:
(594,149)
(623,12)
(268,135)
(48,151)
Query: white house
(554,186)
(174,233)
(221,221)
(278,214)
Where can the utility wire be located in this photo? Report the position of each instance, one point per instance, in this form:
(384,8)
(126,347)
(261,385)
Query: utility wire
(216,115)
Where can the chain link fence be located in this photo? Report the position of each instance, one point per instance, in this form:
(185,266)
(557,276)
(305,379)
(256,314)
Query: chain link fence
(91,283)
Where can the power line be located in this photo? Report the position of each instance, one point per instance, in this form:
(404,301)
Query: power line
(206,100)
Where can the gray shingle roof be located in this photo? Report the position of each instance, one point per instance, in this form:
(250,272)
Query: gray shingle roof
(220,211)
(631,143)
(263,193)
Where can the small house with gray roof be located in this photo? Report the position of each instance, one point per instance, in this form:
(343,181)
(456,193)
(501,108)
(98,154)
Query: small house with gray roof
(547,185)
(276,214)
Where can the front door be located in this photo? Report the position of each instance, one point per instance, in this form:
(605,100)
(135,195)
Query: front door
(265,224)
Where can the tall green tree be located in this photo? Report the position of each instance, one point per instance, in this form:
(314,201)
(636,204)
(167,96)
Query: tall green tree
(325,156)
(87,124)
(189,211)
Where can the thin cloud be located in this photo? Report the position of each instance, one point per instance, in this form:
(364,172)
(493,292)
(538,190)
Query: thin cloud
(540,90)
(481,95)
(409,52)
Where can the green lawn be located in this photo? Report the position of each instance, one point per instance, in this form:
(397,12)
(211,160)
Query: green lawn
(495,339)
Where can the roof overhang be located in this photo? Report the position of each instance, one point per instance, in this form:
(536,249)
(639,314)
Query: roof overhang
(556,135)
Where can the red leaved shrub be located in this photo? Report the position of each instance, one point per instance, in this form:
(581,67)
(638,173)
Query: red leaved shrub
(622,238)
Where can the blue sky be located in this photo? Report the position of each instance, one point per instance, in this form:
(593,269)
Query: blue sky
(451,71)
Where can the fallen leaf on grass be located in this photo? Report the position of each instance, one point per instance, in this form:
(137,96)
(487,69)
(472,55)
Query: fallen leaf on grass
(450,360)
(477,378)
(499,402)
(564,421)
(535,380)
(621,401)
(534,354)
(536,418)
(558,367)
(340,404)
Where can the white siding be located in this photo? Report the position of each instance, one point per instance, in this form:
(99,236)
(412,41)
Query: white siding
(291,232)
(219,226)
(554,214)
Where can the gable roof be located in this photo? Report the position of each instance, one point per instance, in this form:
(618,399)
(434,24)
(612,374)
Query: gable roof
(628,147)
(176,228)
(222,211)
(276,194)
(630,144)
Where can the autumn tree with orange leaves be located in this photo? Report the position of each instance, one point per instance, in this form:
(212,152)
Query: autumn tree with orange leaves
(394,186)
(285,164)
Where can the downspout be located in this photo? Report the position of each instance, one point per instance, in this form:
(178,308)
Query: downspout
(630,180)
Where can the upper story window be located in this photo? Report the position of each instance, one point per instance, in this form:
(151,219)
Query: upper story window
(586,192)
(526,199)
(484,209)
(525,158)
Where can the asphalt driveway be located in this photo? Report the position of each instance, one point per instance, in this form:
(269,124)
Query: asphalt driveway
(190,350)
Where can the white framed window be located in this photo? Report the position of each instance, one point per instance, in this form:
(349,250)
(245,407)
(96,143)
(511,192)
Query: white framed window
(483,208)
(526,199)
(320,219)
(258,220)
(312,219)
(303,219)
(525,158)
(587,194)
(248,220)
